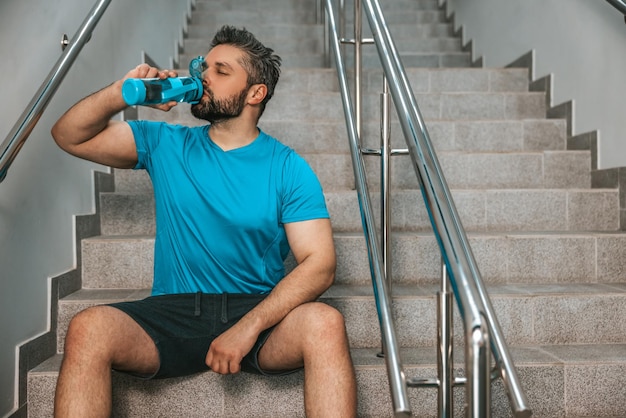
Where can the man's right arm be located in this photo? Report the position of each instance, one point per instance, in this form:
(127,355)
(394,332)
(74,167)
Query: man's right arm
(87,131)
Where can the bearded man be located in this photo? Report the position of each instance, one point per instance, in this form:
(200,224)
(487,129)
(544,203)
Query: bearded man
(231,203)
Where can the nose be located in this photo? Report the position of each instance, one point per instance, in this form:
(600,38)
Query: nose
(206,79)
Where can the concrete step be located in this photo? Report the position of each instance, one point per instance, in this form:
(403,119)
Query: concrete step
(480,210)
(399,5)
(201,6)
(303,51)
(459,59)
(463,171)
(254,18)
(560,381)
(262,32)
(529,314)
(487,210)
(466,171)
(277,36)
(289,60)
(409,15)
(515,257)
(522,257)
(436,106)
(307,60)
(306,137)
(285,29)
(564,381)
(412,45)
(281,45)
(405,11)
(422,80)
(457,80)
(315,44)
(404,5)
(543,138)
(408,30)
(326,106)
(489,136)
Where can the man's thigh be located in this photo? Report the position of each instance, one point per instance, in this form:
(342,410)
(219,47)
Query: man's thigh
(304,328)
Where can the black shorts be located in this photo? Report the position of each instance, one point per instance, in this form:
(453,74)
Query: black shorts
(183,326)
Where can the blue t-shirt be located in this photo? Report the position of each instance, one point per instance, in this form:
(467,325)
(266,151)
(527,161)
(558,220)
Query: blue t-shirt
(220,215)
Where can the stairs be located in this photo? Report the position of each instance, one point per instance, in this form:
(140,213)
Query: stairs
(548,245)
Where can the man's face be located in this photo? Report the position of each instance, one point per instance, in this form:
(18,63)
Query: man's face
(225,84)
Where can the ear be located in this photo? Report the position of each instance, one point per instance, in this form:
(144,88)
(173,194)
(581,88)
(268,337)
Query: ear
(257,93)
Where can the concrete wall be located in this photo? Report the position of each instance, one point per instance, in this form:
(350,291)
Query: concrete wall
(45,187)
(581,43)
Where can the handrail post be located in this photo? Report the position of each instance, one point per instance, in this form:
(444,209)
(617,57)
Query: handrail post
(358,42)
(478,371)
(396,377)
(385,180)
(444,343)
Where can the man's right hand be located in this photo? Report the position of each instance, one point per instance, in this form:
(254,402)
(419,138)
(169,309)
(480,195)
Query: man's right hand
(146,71)
(87,131)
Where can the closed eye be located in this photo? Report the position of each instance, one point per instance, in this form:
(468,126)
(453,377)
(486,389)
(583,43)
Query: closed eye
(222,68)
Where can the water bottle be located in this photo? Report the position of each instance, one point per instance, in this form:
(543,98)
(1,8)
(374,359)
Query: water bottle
(140,91)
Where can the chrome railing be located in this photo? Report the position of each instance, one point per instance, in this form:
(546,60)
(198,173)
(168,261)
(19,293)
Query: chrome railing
(31,115)
(383,300)
(461,276)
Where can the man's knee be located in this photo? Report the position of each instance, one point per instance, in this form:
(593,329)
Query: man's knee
(86,329)
(323,320)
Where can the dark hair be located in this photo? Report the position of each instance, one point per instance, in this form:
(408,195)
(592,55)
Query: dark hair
(260,62)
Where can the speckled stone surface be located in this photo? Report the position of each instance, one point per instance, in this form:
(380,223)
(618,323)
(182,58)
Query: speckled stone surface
(559,382)
(515,257)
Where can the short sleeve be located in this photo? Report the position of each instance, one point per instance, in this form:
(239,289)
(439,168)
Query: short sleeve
(147,137)
(303,197)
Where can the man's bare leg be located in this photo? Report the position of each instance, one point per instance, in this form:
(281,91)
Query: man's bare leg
(98,339)
(314,336)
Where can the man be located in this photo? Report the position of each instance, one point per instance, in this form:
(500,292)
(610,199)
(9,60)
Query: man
(230,202)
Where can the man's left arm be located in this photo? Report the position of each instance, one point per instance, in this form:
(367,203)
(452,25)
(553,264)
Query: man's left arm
(313,248)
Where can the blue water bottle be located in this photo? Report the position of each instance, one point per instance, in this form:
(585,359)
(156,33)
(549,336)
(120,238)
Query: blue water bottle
(145,91)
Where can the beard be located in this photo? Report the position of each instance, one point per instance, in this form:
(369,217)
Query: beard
(216,110)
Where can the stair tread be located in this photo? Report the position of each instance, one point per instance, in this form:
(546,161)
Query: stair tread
(475,153)
(399,290)
(466,190)
(411,357)
(359,234)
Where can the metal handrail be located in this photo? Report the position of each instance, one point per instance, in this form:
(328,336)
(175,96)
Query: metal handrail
(473,301)
(31,115)
(397,381)
(480,323)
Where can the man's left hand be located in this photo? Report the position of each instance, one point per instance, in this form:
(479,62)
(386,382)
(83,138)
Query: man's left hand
(227,350)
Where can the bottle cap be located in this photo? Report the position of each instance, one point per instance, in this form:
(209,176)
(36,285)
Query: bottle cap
(133,91)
